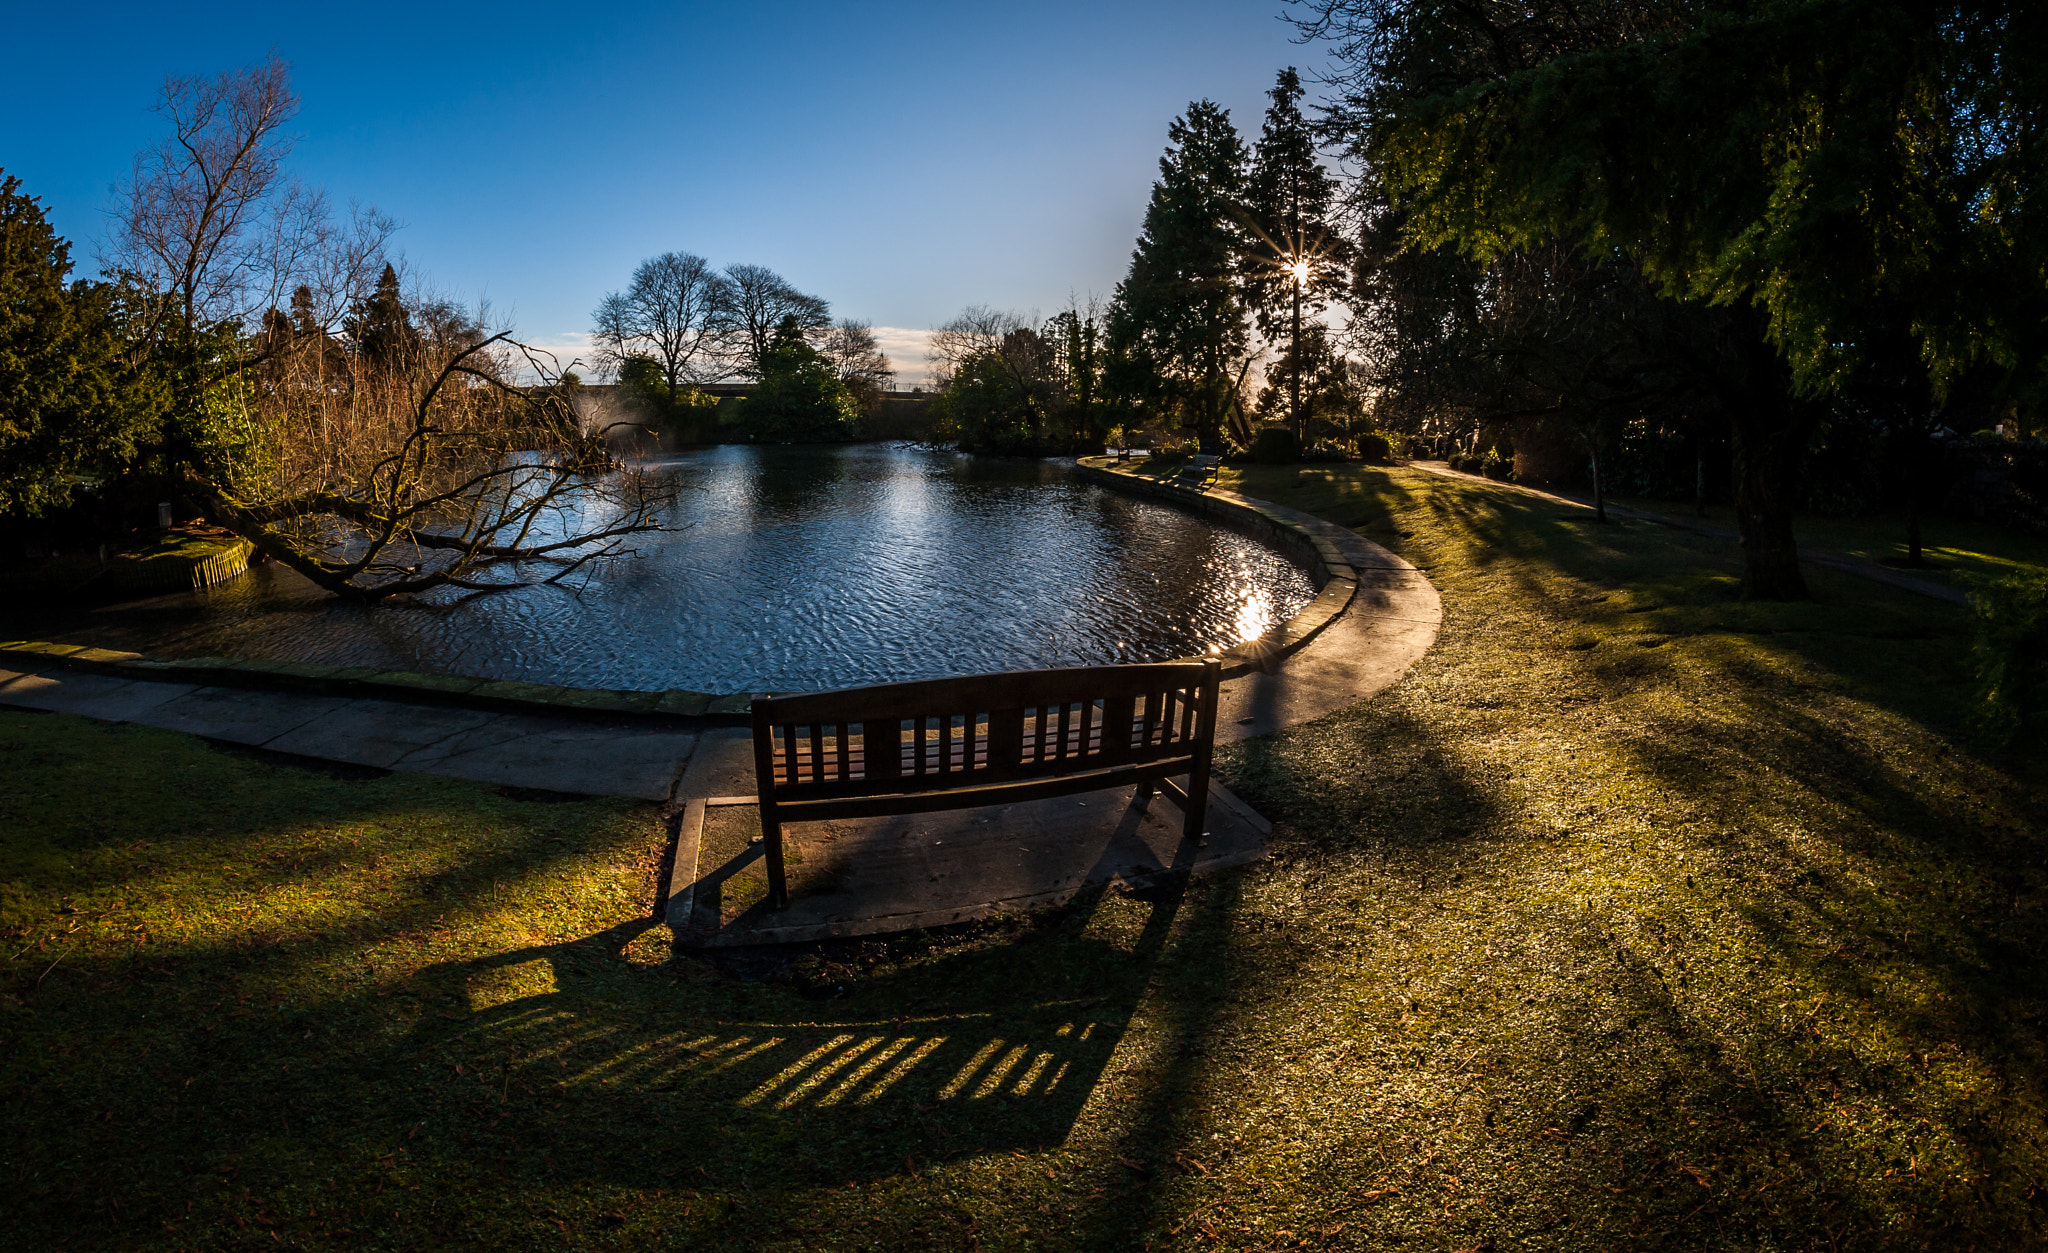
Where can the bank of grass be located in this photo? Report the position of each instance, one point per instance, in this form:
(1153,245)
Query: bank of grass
(1635,916)
(1953,549)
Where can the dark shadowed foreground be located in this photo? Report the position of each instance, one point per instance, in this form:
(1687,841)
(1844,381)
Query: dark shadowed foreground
(1635,916)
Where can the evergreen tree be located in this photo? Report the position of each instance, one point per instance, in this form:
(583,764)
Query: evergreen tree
(1178,316)
(800,398)
(383,329)
(1297,259)
(70,404)
(1077,336)
(1821,171)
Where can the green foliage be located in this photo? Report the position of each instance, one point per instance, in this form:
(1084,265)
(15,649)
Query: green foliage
(800,398)
(1275,446)
(1078,336)
(1310,370)
(2011,650)
(1177,322)
(988,407)
(1294,262)
(1373,446)
(1818,158)
(382,328)
(71,405)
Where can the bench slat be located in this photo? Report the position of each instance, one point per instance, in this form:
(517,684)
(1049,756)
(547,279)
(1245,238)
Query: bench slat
(1005,793)
(1016,690)
(999,739)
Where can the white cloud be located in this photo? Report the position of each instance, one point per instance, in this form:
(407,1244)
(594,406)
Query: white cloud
(905,347)
(572,350)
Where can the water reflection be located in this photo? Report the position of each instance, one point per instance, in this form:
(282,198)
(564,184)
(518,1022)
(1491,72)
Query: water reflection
(794,569)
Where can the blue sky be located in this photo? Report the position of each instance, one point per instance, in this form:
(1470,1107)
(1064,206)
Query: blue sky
(902,160)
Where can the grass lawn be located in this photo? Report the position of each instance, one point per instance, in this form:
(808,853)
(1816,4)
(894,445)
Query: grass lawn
(1634,917)
(1956,550)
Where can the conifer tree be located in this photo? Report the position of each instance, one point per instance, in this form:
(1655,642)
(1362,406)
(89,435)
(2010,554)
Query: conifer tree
(1178,312)
(1296,261)
(383,330)
(70,402)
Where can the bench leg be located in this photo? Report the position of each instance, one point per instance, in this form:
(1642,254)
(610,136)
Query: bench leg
(1197,811)
(771,840)
(1197,808)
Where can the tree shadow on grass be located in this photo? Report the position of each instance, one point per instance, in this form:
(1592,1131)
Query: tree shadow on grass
(980,1051)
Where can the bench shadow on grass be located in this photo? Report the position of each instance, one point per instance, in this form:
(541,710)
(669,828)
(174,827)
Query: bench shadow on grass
(990,1049)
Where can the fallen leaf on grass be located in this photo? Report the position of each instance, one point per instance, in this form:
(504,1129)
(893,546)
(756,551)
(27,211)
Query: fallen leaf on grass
(1137,1168)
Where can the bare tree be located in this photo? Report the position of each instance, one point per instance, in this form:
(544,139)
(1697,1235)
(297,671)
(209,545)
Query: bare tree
(436,470)
(371,474)
(675,311)
(979,329)
(215,230)
(1009,347)
(760,300)
(861,364)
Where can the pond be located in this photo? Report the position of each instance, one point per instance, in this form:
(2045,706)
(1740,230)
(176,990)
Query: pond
(791,569)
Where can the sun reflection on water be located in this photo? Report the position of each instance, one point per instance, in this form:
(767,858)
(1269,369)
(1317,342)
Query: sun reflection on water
(1256,611)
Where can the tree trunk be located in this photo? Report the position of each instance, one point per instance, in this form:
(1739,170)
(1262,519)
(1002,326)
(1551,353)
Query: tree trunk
(1300,433)
(1765,445)
(1599,496)
(1912,521)
(1699,481)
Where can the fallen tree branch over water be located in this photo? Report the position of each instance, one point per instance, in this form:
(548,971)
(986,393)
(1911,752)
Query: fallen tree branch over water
(482,478)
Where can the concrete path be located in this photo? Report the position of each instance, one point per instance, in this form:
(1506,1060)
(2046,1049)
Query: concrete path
(1391,622)
(622,758)
(1812,556)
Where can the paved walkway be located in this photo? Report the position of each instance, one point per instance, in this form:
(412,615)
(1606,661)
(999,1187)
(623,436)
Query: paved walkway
(594,757)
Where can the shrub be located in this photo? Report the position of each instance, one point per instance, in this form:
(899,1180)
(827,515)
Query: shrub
(1374,446)
(1499,469)
(800,398)
(1276,446)
(2011,649)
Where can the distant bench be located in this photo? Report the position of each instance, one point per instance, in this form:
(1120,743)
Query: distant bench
(1200,473)
(996,739)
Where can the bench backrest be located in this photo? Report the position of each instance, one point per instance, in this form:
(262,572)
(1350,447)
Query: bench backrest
(962,733)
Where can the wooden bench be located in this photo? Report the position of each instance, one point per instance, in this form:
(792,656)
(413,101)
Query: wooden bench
(997,739)
(1200,473)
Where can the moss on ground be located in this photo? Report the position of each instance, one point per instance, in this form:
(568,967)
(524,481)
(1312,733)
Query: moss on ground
(1634,917)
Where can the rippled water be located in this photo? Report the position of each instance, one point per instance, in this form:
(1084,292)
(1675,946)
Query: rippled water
(797,569)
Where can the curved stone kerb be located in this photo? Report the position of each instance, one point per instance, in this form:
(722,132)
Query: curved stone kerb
(1373,616)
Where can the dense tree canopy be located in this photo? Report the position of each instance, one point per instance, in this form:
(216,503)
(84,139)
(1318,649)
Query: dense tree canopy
(1179,314)
(800,397)
(1295,261)
(1786,193)
(1810,156)
(71,402)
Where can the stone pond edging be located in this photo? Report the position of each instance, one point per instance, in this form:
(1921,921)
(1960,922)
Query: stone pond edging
(496,695)
(1337,558)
